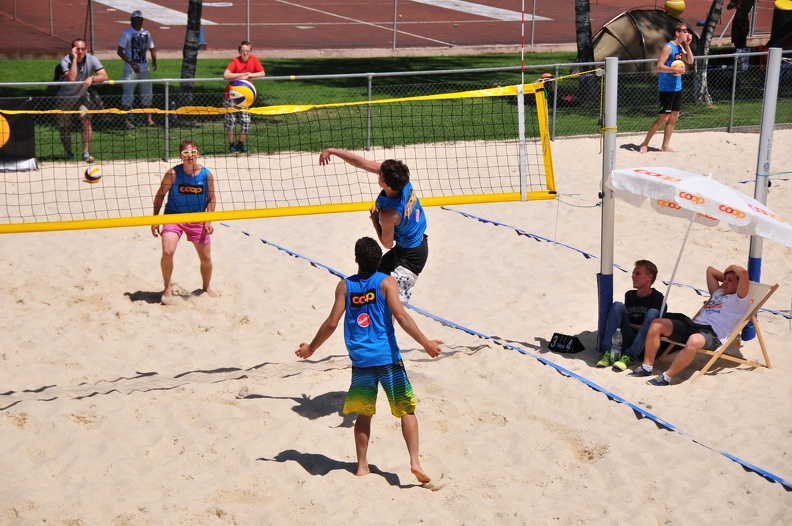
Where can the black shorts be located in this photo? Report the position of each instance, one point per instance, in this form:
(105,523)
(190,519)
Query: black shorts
(670,101)
(684,328)
(413,259)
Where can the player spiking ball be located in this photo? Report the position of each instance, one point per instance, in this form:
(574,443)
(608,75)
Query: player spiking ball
(397,217)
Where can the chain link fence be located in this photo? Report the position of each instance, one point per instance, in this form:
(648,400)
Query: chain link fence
(735,94)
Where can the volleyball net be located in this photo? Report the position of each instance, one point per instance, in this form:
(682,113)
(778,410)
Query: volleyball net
(461,147)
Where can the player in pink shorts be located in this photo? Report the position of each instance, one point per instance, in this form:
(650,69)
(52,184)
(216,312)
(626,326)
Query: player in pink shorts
(190,188)
(196,233)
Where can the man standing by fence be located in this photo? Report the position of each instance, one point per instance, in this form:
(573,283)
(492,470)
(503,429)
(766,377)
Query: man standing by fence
(669,80)
(132,47)
(78,66)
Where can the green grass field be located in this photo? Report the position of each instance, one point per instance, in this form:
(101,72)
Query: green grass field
(573,112)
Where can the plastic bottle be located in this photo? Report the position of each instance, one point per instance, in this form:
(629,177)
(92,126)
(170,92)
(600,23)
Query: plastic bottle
(616,346)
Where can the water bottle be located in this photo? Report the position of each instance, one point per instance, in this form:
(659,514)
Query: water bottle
(616,346)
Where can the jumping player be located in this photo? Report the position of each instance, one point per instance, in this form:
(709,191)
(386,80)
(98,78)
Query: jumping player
(397,217)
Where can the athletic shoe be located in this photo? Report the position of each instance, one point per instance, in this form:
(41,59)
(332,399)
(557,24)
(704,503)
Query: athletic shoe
(640,372)
(660,381)
(232,148)
(622,363)
(605,360)
(87,158)
(241,148)
(69,156)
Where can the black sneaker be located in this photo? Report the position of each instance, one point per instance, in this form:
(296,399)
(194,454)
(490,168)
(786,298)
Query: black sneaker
(660,381)
(640,372)
(241,148)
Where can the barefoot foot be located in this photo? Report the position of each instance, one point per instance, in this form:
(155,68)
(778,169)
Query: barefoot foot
(420,474)
(167,296)
(211,293)
(644,148)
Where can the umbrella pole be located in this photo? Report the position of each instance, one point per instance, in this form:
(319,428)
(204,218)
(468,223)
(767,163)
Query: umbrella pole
(676,265)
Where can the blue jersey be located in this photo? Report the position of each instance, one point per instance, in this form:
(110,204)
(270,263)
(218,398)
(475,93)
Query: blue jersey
(410,231)
(368,323)
(668,81)
(188,193)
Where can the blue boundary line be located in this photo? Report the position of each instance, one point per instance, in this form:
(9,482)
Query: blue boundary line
(642,412)
(700,292)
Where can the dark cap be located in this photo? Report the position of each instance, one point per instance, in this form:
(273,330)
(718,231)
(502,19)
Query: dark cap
(136,14)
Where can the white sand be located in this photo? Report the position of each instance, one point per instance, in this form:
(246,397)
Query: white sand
(117,410)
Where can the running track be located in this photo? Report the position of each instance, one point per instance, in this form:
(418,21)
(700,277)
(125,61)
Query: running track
(328,26)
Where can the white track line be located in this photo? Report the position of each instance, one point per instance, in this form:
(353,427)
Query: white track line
(481,10)
(378,26)
(154,12)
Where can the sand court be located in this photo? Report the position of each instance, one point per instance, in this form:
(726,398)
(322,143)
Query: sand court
(114,408)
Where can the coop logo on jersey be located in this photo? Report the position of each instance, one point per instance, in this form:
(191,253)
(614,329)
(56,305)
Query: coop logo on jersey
(411,201)
(363,298)
(364,320)
(190,189)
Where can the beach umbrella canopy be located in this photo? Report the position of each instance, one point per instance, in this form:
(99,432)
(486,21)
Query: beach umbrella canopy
(699,199)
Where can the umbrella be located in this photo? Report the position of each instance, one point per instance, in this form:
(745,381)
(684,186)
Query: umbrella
(700,199)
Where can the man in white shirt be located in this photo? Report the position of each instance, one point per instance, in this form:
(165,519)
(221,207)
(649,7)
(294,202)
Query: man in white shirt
(133,45)
(716,320)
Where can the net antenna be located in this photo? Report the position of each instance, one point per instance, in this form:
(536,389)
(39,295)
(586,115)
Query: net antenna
(522,44)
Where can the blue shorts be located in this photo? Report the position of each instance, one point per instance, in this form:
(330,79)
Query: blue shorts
(362,395)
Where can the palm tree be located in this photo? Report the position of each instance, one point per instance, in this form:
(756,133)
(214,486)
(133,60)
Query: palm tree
(702,94)
(585,47)
(190,53)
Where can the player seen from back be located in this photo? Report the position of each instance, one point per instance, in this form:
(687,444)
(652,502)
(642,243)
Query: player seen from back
(397,217)
(369,303)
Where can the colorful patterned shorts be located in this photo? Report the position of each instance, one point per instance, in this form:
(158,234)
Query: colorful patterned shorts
(362,395)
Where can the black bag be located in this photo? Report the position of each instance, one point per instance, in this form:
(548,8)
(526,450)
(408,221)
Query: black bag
(564,343)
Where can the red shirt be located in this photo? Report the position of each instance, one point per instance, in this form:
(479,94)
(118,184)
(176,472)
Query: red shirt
(251,66)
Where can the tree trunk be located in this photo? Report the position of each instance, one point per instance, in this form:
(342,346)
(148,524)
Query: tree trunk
(190,53)
(702,95)
(585,47)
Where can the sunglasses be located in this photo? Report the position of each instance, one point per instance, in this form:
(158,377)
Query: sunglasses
(189,152)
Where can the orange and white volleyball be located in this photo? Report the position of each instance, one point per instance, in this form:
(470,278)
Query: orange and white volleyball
(5,131)
(675,7)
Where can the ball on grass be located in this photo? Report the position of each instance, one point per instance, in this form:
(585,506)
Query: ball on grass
(241,93)
(92,174)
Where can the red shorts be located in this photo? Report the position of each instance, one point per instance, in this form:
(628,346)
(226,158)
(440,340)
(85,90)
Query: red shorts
(196,233)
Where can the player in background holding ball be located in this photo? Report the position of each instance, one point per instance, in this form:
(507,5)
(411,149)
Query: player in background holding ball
(244,67)
(190,188)
(669,81)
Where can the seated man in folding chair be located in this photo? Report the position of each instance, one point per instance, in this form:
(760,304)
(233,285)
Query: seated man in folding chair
(715,320)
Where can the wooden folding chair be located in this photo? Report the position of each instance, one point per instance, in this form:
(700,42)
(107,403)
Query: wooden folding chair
(758,294)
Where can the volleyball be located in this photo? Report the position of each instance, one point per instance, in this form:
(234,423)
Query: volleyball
(241,93)
(677,64)
(92,175)
(675,7)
